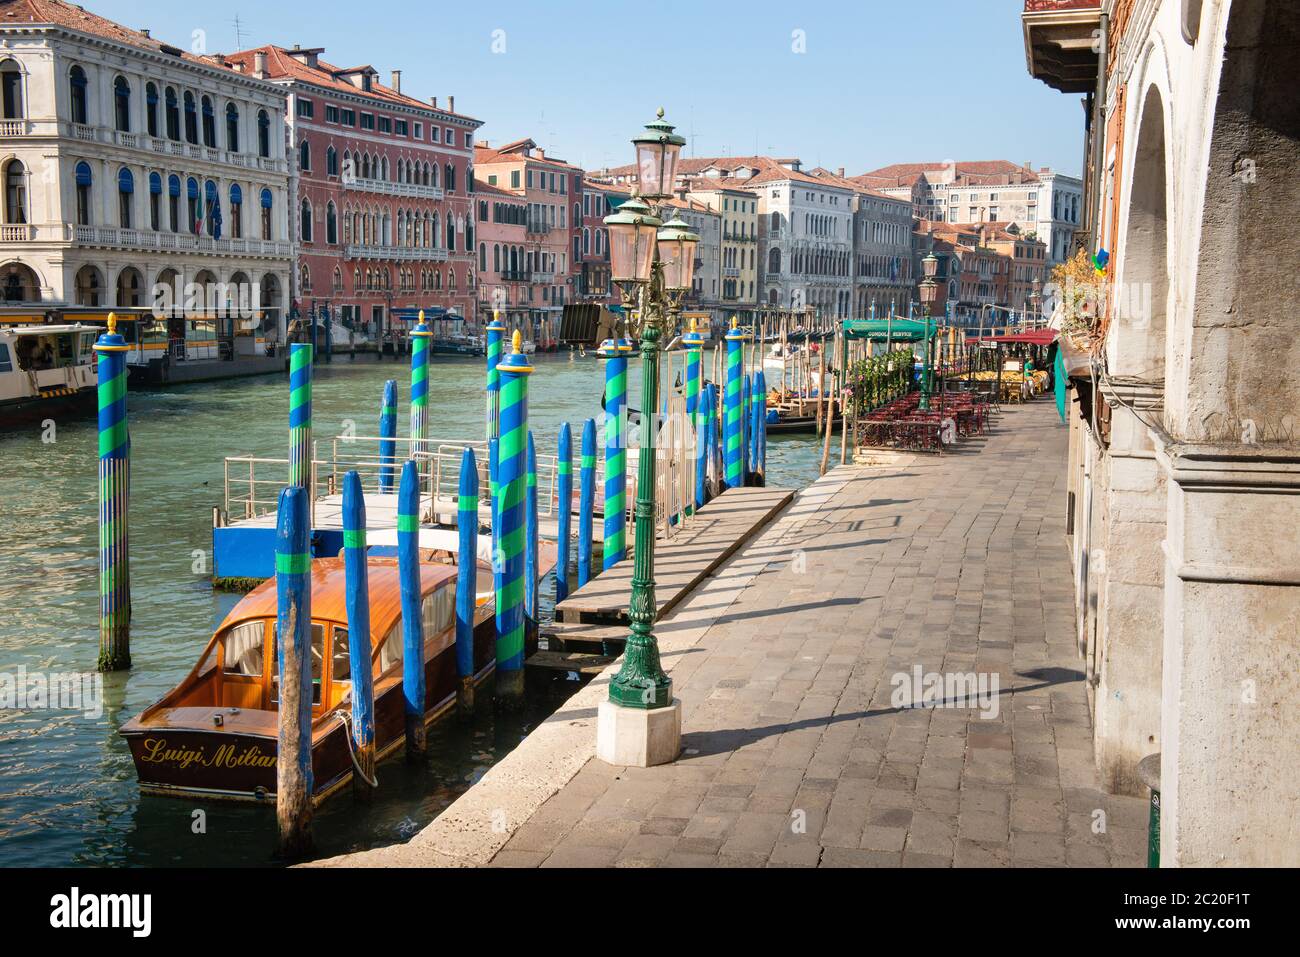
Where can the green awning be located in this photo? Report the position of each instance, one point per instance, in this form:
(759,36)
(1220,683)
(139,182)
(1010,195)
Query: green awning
(880,330)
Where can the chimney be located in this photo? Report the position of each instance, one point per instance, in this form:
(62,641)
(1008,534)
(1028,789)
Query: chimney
(397,81)
(259,65)
(145,33)
(433,100)
(451,104)
(840,172)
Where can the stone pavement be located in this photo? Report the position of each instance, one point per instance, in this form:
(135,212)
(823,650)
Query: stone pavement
(794,751)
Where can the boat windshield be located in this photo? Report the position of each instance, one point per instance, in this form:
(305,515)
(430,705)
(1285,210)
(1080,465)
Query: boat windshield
(317,656)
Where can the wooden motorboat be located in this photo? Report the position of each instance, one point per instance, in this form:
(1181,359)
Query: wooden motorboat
(215,734)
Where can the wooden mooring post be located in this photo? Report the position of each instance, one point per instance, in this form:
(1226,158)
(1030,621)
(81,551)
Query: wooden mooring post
(357,599)
(615,541)
(293,772)
(408,573)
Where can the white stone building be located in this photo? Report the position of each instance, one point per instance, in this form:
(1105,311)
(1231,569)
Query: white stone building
(128,163)
(1184,476)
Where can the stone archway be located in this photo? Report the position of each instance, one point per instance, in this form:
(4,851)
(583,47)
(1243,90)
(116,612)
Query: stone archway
(1232,594)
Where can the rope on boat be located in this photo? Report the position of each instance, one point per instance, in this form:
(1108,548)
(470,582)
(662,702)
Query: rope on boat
(346,719)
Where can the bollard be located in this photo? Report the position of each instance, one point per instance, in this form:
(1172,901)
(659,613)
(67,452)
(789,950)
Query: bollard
(388,437)
(694,345)
(293,772)
(420,394)
(466,581)
(357,599)
(760,426)
(512,492)
(408,573)
(734,475)
(300,359)
(1148,772)
(530,541)
(114,501)
(586,500)
(563,511)
(615,356)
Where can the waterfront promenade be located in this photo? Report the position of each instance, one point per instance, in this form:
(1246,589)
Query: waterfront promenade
(794,752)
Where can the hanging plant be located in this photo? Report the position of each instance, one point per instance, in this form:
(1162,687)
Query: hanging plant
(1080,302)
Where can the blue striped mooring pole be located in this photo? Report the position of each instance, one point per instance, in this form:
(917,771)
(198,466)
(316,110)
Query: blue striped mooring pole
(408,573)
(357,599)
(615,353)
(564,512)
(586,500)
(466,580)
(420,393)
(293,772)
(114,500)
(512,482)
(732,437)
(388,437)
(531,541)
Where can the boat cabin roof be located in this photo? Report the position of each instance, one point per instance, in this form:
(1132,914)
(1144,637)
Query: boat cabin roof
(46,330)
(329,593)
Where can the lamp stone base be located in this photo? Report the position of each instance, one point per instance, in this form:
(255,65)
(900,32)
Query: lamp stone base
(638,737)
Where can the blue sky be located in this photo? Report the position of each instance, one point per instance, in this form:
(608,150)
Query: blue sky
(877,82)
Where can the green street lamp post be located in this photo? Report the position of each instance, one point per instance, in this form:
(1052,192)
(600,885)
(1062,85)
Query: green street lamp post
(929,290)
(653,264)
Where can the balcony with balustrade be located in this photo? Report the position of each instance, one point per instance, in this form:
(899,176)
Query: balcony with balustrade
(390,188)
(428,254)
(115,237)
(153,145)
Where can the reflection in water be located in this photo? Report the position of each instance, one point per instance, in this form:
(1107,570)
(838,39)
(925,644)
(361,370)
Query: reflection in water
(68,790)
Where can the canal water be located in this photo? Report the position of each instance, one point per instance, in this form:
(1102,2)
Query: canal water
(68,793)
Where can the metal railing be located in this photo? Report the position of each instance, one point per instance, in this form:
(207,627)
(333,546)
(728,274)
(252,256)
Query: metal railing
(253,483)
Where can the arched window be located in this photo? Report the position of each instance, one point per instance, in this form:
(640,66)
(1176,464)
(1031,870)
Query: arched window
(209,123)
(304,156)
(151,109)
(122,104)
(496,258)
(173,115)
(15,193)
(449,181)
(331,162)
(155,201)
(305,215)
(77,85)
(304,279)
(338,279)
(125,195)
(263,134)
(451,235)
(482,257)
(89,286)
(236,211)
(129,286)
(232,127)
(212,207)
(174,202)
(11,78)
(191,119)
(775,226)
(331,224)
(83,181)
